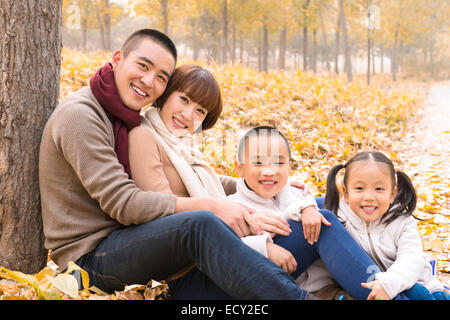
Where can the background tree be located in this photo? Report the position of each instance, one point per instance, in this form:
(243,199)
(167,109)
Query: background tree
(30,47)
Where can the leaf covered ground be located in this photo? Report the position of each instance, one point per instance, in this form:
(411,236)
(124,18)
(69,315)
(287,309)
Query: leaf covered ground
(327,121)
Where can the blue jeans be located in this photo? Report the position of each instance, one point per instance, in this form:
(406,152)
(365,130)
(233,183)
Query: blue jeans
(225,266)
(419,292)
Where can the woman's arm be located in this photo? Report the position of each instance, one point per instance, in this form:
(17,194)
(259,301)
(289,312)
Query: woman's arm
(145,161)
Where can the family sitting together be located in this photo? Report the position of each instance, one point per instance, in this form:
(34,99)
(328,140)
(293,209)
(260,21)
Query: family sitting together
(128,198)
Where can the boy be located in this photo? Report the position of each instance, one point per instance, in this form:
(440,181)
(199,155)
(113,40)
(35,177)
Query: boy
(264,166)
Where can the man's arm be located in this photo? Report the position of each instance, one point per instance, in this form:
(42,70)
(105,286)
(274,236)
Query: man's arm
(85,141)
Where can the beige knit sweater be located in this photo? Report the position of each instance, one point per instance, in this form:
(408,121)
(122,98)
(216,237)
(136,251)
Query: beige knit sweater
(85,192)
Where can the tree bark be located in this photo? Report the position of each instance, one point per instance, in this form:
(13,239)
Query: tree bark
(325,42)
(30,60)
(394,56)
(224,32)
(314,53)
(338,36)
(368,55)
(107,20)
(305,36)
(165,14)
(282,59)
(348,62)
(265,47)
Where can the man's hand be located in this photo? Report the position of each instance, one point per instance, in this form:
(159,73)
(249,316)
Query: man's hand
(377,292)
(281,257)
(312,222)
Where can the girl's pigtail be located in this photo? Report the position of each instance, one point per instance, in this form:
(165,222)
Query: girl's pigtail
(332,194)
(406,199)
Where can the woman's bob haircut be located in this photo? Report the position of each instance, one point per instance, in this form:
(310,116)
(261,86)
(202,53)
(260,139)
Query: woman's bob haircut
(200,86)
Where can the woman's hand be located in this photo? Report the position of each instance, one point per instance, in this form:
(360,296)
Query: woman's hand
(281,257)
(237,216)
(377,292)
(272,223)
(312,222)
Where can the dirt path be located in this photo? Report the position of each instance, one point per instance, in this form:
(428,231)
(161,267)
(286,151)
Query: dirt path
(426,153)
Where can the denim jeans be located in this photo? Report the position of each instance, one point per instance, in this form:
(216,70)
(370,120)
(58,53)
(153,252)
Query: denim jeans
(157,249)
(225,267)
(419,292)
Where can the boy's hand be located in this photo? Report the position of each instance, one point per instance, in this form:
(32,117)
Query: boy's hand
(312,222)
(302,186)
(377,292)
(281,257)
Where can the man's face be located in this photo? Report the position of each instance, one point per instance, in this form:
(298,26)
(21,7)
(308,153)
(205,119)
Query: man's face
(142,76)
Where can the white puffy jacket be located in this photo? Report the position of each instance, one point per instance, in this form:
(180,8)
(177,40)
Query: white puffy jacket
(396,248)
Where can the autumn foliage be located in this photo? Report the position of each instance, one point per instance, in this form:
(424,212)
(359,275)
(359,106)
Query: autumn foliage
(326,119)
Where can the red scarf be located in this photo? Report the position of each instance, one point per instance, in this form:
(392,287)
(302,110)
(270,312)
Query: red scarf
(104,88)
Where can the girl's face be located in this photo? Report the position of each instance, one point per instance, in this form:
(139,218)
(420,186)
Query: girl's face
(369,191)
(181,115)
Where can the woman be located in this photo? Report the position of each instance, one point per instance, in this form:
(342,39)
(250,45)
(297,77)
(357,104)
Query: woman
(163,158)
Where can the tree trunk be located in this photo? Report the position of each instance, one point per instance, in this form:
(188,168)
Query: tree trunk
(305,48)
(224,32)
(305,35)
(84,21)
(282,59)
(265,47)
(233,44)
(394,56)
(100,25)
(165,14)
(107,20)
(241,47)
(368,55)
(348,62)
(30,55)
(325,42)
(314,53)
(338,40)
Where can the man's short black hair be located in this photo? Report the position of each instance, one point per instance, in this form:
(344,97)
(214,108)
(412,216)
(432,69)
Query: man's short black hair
(131,43)
(257,131)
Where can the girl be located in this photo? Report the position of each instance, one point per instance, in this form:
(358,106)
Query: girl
(377,211)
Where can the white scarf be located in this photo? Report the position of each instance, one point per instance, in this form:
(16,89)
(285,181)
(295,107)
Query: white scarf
(287,204)
(198,178)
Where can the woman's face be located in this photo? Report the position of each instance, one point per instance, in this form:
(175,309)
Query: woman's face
(181,115)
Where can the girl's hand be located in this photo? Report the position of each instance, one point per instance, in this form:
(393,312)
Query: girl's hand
(272,223)
(281,257)
(312,222)
(377,292)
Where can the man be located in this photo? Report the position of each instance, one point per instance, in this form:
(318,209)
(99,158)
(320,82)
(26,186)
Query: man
(94,214)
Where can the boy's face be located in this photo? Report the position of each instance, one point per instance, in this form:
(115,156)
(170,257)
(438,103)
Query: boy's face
(266,164)
(142,76)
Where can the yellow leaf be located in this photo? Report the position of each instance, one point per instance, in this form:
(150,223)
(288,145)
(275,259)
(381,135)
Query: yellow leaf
(71,266)
(66,283)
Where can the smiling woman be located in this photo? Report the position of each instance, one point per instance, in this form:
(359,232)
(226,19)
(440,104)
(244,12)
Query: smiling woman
(199,86)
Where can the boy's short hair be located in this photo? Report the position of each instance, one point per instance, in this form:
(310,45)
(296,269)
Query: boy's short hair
(131,43)
(259,131)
